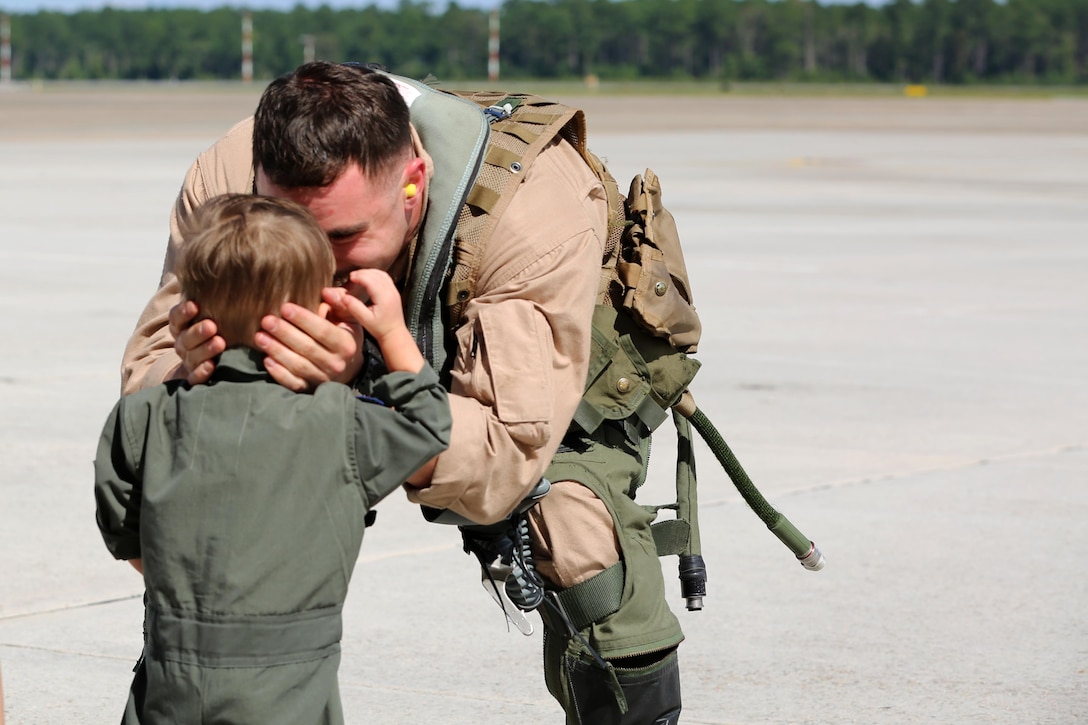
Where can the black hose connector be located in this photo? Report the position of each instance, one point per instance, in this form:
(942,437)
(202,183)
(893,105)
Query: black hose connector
(693,581)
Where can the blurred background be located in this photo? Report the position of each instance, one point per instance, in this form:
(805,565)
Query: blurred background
(716,42)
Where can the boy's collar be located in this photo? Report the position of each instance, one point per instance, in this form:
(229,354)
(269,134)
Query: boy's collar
(240,363)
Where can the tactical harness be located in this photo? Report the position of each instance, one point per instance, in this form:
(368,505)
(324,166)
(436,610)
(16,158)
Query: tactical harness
(645,328)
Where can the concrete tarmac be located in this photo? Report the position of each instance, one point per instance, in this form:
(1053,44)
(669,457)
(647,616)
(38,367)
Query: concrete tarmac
(894,300)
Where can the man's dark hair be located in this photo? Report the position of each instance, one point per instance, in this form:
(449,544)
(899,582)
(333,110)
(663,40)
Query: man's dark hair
(314,122)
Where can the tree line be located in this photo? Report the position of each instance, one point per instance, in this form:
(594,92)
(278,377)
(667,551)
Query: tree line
(908,41)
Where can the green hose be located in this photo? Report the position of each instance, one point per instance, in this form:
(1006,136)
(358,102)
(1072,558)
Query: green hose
(803,547)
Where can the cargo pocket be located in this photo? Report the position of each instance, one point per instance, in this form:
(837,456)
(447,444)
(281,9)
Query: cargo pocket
(511,367)
(631,373)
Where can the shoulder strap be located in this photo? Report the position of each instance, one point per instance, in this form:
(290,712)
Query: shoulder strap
(522,125)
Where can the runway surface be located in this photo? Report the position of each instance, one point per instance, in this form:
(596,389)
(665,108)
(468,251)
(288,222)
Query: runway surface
(894,300)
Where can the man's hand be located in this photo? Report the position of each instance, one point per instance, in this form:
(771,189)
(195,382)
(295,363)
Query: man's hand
(196,344)
(304,349)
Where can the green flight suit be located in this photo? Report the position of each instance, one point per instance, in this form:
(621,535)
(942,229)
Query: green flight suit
(247,503)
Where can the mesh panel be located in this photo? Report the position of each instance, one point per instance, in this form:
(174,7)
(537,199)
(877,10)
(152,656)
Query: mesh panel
(492,177)
(460,272)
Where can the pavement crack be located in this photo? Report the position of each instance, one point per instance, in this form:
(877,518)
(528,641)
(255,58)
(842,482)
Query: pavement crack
(907,473)
(77,653)
(68,608)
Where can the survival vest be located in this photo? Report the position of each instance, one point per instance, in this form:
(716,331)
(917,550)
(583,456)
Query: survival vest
(645,326)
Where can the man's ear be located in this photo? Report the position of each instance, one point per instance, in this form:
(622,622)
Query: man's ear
(415,180)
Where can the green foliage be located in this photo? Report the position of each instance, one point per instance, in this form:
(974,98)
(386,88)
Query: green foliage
(901,41)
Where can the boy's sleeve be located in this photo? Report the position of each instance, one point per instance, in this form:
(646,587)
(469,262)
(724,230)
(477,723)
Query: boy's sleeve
(118,488)
(392,443)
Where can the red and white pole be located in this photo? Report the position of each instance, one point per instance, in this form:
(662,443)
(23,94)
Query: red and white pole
(247,48)
(5,49)
(493,47)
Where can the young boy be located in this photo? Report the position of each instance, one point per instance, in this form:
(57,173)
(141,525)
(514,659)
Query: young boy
(243,503)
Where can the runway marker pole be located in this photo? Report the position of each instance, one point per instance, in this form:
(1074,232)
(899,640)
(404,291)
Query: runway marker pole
(493,47)
(5,49)
(247,48)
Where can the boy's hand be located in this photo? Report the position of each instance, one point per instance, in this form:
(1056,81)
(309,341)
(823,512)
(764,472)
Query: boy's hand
(196,344)
(375,303)
(381,316)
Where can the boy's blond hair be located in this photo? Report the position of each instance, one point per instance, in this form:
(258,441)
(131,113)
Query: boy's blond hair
(245,255)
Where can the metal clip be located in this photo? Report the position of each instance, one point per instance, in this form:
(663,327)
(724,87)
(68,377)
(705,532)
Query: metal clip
(498,113)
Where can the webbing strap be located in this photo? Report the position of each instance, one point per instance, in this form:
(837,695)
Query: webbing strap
(525,133)
(482,198)
(595,598)
(671,536)
(497,156)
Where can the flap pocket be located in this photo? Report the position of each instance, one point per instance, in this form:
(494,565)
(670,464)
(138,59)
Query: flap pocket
(652,271)
(514,359)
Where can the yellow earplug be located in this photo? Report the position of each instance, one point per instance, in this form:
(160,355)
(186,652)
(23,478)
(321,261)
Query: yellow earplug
(409,190)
